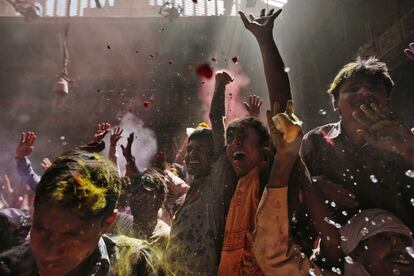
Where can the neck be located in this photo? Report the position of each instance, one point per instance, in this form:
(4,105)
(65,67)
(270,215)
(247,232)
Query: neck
(144,226)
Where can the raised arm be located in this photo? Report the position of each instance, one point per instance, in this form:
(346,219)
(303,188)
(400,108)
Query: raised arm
(115,136)
(273,249)
(131,167)
(276,78)
(218,111)
(24,167)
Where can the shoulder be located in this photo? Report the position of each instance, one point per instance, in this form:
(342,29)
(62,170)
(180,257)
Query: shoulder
(320,131)
(134,257)
(17,259)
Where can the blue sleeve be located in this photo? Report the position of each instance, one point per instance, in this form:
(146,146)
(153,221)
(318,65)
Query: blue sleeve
(26,173)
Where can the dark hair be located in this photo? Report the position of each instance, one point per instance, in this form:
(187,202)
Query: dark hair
(205,134)
(369,67)
(252,122)
(149,179)
(84,182)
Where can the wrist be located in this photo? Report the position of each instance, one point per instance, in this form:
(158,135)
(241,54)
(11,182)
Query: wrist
(20,157)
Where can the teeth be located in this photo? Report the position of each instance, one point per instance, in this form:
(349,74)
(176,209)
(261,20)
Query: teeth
(238,152)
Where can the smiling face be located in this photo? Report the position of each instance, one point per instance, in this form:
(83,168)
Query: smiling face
(244,149)
(198,157)
(60,240)
(386,254)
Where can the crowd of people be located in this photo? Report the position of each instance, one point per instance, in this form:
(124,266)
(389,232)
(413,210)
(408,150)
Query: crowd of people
(243,197)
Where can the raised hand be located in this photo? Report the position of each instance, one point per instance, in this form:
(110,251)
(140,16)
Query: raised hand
(410,51)
(285,128)
(101,132)
(126,150)
(253,106)
(223,78)
(262,25)
(46,163)
(25,145)
(116,135)
(383,129)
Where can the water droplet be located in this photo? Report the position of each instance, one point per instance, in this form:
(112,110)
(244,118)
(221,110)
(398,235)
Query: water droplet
(410,173)
(412,201)
(312,272)
(287,69)
(349,260)
(395,272)
(64,143)
(364,231)
(344,213)
(62,138)
(333,204)
(322,112)
(343,238)
(366,247)
(373,178)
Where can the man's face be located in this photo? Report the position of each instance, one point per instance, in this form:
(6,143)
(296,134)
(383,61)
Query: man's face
(243,149)
(198,157)
(357,91)
(60,240)
(386,254)
(145,202)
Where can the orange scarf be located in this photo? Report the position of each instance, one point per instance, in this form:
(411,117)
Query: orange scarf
(237,253)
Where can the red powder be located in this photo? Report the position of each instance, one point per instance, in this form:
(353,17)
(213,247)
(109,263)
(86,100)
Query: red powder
(235,59)
(146,104)
(204,70)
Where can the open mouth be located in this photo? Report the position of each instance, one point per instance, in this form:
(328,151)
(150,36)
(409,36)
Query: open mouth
(401,259)
(239,155)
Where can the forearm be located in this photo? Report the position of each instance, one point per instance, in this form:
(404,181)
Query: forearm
(112,154)
(276,78)
(26,173)
(217,112)
(281,170)
(131,168)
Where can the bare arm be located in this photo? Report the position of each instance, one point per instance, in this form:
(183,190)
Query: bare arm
(217,111)
(276,78)
(131,167)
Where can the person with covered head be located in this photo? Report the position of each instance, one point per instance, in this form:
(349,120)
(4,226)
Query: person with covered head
(74,206)
(374,242)
(364,160)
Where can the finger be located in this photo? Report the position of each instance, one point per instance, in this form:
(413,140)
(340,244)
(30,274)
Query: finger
(123,148)
(260,103)
(120,131)
(361,118)
(256,100)
(270,123)
(409,53)
(251,17)
(246,105)
(244,18)
(276,107)
(276,14)
(270,12)
(21,140)
(371,114)
(289,108)
(262,12)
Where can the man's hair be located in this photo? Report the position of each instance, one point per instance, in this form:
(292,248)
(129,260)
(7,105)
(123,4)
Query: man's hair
(150,179)
(205,134)
(368,67)
(252,122)
(86,183)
